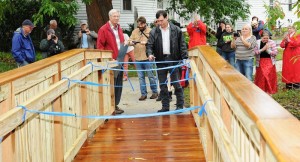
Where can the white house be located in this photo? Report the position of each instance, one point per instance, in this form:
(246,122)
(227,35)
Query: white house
(130,10)
(257,9)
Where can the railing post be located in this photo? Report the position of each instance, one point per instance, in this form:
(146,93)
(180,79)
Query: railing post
(7,147)
(58,125)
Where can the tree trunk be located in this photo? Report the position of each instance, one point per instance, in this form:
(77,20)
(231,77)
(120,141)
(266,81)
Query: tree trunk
(97,13)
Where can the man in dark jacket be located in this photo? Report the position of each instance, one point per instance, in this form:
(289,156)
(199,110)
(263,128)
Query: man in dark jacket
(22,47)
(51,45)
(166,43)
(220,31)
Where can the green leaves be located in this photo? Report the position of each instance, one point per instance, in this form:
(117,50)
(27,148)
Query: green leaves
(212,11)
(273,13)
(64,10)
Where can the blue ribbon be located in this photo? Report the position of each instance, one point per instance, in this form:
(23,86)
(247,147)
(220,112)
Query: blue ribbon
(202,110)
(92,65)
(96,84)
(110,117)
(168,67)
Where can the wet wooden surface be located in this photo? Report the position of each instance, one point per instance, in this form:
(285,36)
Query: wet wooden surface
(163,138)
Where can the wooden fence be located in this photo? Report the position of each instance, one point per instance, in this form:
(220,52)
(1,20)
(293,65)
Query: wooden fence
(243,123)
(39,86)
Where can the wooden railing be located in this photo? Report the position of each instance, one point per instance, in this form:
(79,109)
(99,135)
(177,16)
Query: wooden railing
(39,86)
(242,123)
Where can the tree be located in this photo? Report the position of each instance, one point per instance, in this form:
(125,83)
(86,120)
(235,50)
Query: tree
(297,5)
(212,10)
(97,12)
(274,13)
(13,12)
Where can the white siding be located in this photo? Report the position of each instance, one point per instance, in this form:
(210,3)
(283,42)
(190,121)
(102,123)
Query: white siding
(146,8)
(81,14)
(257,9)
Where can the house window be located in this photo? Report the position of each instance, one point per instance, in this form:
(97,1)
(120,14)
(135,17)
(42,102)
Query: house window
(290,5)
(271,3)
(160,4)
(127,5)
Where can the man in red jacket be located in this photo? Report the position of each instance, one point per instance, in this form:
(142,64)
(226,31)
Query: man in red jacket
(110,37)
(197,32)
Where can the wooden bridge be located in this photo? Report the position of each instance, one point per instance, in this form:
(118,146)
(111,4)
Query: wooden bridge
(241,122)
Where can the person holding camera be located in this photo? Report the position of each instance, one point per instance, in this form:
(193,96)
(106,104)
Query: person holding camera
(85,37)
(138,39)
(51,45)
(197,32)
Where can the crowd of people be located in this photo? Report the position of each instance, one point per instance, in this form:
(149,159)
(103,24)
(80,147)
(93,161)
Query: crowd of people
(254,42)
(165,43)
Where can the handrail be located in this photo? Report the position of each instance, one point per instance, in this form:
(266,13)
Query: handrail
(227,149)
(39,86)
(13,118)
(269,130)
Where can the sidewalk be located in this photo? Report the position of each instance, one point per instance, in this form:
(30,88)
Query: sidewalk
(130,99)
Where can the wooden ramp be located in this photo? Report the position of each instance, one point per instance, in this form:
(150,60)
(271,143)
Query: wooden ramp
(163,138)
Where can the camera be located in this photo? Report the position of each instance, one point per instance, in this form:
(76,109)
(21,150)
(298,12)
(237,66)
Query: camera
(236,34)
(135,42)
(53,37)
(83,31)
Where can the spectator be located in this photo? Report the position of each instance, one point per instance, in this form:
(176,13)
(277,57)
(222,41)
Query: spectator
(197,32)
(244,52)
(256,29)
(129,54)
(53,25)
(166,43)
(265,76)
(110,37)
(220,31)
(138,39)
(291,59)
(51,45)
(228,53)
(22,47)
(86,38)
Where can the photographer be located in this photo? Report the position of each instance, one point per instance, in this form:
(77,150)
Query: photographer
(85,37)
(51,45)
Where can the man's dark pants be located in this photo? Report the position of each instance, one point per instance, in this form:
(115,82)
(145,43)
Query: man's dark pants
(118,76)
(162,77)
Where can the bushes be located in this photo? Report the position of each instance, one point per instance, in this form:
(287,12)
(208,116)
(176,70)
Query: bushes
(15,12)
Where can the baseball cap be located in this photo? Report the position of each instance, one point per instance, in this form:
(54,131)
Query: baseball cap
(50,31)
(83,22)
(28,22)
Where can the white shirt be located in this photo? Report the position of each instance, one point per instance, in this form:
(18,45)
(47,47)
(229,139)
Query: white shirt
(115,30)
(165,33)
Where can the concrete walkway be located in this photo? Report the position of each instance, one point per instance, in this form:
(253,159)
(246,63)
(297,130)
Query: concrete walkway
(130,99)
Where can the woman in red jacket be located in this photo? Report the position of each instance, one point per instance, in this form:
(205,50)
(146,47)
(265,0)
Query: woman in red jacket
(197,33)
(291,59)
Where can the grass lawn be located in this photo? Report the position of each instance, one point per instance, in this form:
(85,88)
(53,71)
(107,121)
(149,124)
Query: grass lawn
(289,99)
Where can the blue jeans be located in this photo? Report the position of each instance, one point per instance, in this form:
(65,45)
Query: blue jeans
(245,67)
(219,51)
(141,75)
(229,57)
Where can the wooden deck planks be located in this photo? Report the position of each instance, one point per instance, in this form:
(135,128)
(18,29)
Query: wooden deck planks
(163,138)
